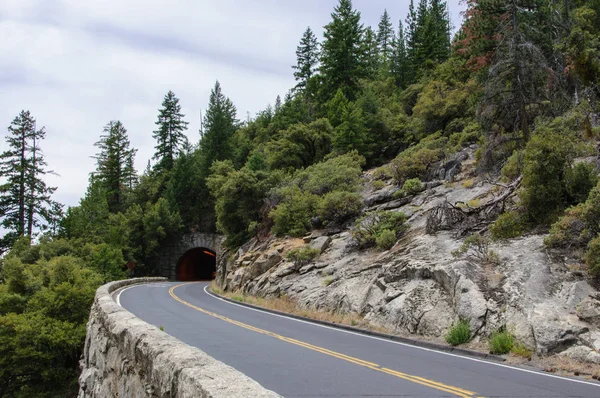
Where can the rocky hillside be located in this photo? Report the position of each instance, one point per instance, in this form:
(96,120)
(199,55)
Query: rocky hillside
(425,283)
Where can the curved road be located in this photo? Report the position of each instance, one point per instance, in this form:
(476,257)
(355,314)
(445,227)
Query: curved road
(300,359)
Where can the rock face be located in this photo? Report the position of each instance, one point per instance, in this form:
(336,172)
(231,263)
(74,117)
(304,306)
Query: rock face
(419,287)
(127,357)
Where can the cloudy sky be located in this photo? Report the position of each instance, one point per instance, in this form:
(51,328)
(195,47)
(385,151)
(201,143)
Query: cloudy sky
(77,64)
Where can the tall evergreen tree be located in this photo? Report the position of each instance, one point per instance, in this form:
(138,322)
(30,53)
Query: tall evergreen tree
(115,164)
(399,64)
(370,53)
(170,137)
(24,196)
(411,42)
(385,37)
(342,55)
(220,123)
(307,55)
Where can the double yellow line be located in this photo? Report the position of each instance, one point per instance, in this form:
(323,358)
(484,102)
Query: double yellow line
(459,392)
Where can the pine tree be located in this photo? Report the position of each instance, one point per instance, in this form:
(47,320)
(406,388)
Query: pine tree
(411,43)
(170,137)
(307,54)
(385,37)
(38,194)
(114,162)
(277,105)
(370,53)
(24,196)
(351,134)
(342,55)
(437,33)
(399,64)
(220,124)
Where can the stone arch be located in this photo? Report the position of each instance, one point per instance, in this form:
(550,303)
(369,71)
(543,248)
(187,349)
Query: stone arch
(175,254)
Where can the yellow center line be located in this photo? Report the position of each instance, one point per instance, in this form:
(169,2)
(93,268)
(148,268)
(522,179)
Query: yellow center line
(415,379)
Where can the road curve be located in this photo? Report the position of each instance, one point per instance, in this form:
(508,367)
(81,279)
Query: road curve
(300,359)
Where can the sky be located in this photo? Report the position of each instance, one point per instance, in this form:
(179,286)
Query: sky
(78,64)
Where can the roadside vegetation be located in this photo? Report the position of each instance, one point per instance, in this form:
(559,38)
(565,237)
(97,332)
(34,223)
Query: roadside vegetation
(517,81)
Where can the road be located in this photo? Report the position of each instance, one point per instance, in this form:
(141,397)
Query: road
(300,359)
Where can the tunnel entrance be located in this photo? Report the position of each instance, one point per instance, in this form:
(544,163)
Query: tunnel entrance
(198,264)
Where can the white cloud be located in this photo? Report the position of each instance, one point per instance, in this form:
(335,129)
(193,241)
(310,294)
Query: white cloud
(78,64)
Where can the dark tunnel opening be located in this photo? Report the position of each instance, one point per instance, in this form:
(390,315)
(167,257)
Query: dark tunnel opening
(197,264)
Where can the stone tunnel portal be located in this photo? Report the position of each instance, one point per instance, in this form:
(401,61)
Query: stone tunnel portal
(198,264)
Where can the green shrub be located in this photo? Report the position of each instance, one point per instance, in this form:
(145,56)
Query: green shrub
(459,333)
(292,216)
(327,281)
(521,351)
(569,230)
(580,180)
(501,342)
(508,225)
(591,210)
(416,162)
(386,240)
(377,185)
(514,166)
(339,206)
(477,246)
(302,255)
(412,186)
(382,173)
(471,134)
(370,227)
(592,256)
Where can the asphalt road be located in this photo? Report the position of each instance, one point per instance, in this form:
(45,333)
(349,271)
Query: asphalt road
(301,359)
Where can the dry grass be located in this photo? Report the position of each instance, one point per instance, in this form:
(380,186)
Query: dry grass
(469,183)
(285,304)
(557,364)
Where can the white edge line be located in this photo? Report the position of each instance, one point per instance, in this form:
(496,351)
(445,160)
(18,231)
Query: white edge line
(406,345)
(118,299)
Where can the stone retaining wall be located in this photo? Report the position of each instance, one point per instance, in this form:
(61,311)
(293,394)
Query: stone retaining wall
(127,357)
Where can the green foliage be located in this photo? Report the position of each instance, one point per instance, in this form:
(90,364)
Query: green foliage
(44,306)
(514,166)
(412,186)
(386,239)
(592,256)
(371,226)
(239,197)
(459,333)
(300,145)
(170,133)
(477,246)
(302,255)
(508,225)
(501,342)
(570,229)
(341,173)
(416,161)
(293,215)
(547,157)
(339,206)
(579,181)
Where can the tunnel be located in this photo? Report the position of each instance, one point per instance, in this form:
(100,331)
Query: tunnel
(198,264)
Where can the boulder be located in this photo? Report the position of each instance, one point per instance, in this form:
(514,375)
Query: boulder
(589,310)
(321,243)
(262,265)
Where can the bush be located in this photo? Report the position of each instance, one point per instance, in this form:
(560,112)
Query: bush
(386,240)
(508,225)
(370,227)
(412,186)
(416,162)
(339,206)
(294,213)
(302,255)
(459,333)
(501,342)
(377,185)
(382,173)
(580,180)
(592,256)
(569,230)
(477,246)
(514,166)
